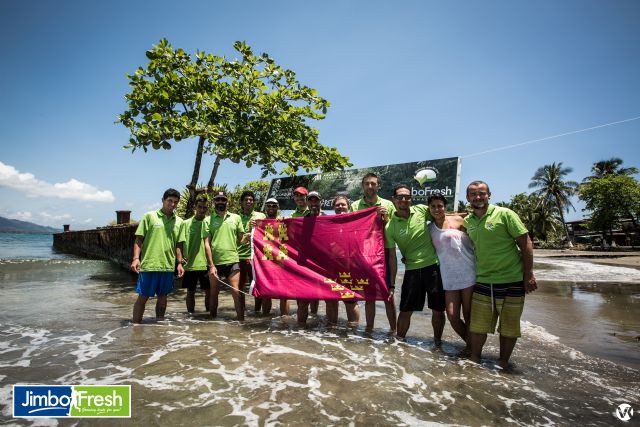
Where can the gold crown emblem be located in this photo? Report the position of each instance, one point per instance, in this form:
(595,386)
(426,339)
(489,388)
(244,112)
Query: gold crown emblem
(357,288)
(345,275)
(337,287)
(348,295)
(362,281)
(327,280)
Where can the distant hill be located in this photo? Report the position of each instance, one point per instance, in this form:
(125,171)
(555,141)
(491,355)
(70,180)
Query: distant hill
(15,226)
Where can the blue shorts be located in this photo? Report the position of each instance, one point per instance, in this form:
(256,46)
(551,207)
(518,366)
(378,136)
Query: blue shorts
(152,283)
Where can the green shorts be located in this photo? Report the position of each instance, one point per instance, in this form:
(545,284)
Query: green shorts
(497,302)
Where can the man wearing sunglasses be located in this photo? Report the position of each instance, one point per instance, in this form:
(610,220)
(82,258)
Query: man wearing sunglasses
(407,228)
(222,235)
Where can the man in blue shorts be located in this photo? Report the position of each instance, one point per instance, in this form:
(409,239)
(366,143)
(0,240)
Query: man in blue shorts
(154,255)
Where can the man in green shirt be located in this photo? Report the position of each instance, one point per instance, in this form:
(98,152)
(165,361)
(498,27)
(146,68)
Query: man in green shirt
(370,187)
(271,209)
(247,201)
(504,272)
(192,260)
(222,235)
(155,245)
(407,228)
(314,203)
(300,199)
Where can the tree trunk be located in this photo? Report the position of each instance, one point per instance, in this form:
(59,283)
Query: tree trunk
(194,180)
(566,229)
(214,172)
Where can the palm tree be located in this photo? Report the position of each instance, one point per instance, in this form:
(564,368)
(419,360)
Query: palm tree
(554,190)
(610,167)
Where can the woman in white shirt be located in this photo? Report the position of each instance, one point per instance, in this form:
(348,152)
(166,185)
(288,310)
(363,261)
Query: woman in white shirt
(457,263)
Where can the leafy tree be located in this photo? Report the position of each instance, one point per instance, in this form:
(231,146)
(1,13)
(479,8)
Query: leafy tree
(612,166)
(610,198)
(200,191)
(249,110)
(541,219)
(463,207)
(554,190)
(260,189)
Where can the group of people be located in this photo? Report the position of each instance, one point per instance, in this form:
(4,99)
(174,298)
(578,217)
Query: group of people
(472,270)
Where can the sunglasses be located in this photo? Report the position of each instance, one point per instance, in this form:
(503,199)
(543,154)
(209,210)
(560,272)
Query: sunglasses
(403,197)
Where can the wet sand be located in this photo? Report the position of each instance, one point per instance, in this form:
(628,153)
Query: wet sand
(629,259)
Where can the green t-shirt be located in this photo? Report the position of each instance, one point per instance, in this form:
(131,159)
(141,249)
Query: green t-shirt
(160,237)
(412,237)
(362,204)
(223,236)
(193,244)
(244,250)
(297,213)
(498,258)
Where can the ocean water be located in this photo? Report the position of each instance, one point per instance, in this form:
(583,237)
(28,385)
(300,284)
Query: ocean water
(66,320)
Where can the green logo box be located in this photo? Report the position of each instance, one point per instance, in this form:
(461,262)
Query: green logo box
(101,401)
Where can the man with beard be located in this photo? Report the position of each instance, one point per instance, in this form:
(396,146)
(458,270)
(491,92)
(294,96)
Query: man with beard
(271,209)
(370,187)
(407,228)
(247,201)
(222,234)
(314,202)
(504,272)
(300,199)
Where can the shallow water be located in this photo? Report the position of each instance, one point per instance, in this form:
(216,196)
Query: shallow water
(66,321)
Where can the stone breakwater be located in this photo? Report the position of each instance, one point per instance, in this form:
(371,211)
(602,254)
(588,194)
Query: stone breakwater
(112,243)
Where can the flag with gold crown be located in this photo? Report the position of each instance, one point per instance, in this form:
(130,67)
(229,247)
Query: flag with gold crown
(320,257)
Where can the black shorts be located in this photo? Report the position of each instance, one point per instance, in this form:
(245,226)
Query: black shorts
(225,270)
(191,279)
(419,285)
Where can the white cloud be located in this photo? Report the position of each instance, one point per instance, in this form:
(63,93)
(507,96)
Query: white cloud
(73,189)
(87,221)
(152,206)
(22,216)
(50,218)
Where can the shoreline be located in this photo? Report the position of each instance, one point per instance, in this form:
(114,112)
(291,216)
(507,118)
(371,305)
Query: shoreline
(630,259)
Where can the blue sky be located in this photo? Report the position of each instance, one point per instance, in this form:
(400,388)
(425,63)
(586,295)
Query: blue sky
(407,80)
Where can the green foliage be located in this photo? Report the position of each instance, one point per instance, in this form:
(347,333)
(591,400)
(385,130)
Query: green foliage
(249,110)
(260,188)
(554,190)
(113,223)
(612,166)
(464,207)
(540,218)
(201,191)
(610,198)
